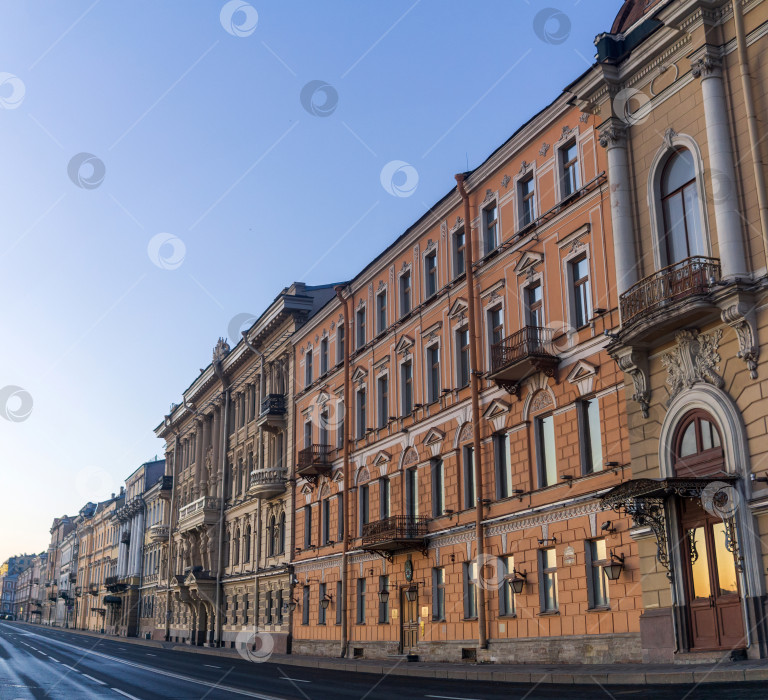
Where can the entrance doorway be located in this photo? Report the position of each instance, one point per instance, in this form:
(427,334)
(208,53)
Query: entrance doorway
(409,619)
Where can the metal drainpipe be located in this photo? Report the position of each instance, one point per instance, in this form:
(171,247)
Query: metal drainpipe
(749,105)
(344,538)
(474,374)
(170,533)
(222,493)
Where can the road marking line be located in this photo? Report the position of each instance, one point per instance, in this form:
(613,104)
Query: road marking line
(95,680)
(71,668)
(448,697)
(117,690)
(52,659)
(148,654)
(294,680)
(209,666)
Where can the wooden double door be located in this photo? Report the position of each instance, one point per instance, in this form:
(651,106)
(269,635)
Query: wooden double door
(409,621)
(711,581)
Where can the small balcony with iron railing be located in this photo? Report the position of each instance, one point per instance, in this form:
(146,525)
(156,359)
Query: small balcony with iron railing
(273,413)
(203,511)
(313,461)
(158,533)
(268,483)
(529,350)
(93,588)
(397,533)
(166,486)
(673,296)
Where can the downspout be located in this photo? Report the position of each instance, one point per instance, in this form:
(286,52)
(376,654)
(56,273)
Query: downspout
(219,370)
(344,538)
(474,374)
(749,106)
(170,532)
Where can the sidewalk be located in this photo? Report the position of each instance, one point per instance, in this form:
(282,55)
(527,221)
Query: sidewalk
(567,674)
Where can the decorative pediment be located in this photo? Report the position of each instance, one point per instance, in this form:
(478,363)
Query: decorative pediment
(695,359)
(466,433)
(359,375)
(497,413)
(410,457)
(430,246)
(459,223)
(404,345)
(583,376)
(381,458)
(432,332)
(433,437)
(489,195)
(363,476)
(528,261)
(323,398)
(459,308)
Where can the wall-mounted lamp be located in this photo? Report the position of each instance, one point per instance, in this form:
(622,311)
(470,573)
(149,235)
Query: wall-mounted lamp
(486,502)
(326,601)
(754,477)
(611,465)
(384,596)
(568,478)
(453,558)
(292,605)
(411,592)
(614,567)
(598,311)
(607,526)
(552,539)
(449,512)
(517,581)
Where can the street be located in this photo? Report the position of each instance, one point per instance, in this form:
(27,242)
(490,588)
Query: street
(38,662)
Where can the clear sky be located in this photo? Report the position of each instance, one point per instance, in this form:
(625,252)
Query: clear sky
(166,165)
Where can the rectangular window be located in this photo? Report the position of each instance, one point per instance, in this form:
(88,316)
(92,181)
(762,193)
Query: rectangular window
(462,357)
(438,594)
(278,605)
(597,558)
(430,274)
(268,606)
(548,579)
(491,228)
(323,431)
(582,304)
(382,384)
(307,526)
(468,453)
(495,326)
(470,589)
(437,469)
(527,199)
(405,293)
(323,356)
(325,510)
(308,433)
(360,601)
(340,342)
(340,433)
(502,466)
(383,605)
(361,424)
(411,493)
(340,517)
(433,373)
(406,382)
(506,594)
(545,450)
(305,606)
(320,608)
(534,305)
(384,499)
(364,509)
(590,438)
(569,159)
(381,312)
(338,602)
(308,368)
(459,242)
(361,327)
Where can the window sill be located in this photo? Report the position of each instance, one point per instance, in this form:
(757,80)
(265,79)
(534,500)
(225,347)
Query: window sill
(548,613)
(511,616)
(438,619)
(470,619)
(599,608)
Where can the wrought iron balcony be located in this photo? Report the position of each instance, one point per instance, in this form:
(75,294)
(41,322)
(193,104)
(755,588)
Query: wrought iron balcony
(203,511)
(93,588)
(166,486)
(667,289)
(397,533)
(158,533)
(531,349)
(273,412)
(268,483)
(314,461)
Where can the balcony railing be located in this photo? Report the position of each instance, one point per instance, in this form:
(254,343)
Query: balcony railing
(266,483)
(314,460)
(673,283)
(158,533)
(150,578)
(530,349)
(201,505)
(166,486)
(93,588)
(397,532)
(274,404)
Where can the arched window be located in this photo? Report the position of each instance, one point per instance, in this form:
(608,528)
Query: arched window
(247,544)
(272,530)
(682,236)
(698,448)
(236,548)
(281,538)
(227,548)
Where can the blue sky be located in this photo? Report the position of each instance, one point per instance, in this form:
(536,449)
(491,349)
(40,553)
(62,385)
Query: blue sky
(208,184)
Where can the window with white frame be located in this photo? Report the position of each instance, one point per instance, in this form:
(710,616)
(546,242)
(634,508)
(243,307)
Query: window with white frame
(548,580)
(308,368)
(569,169)
(502,465)
(590,438)
(361,420)
(462,357)
(433,373)
(430,274)
(437,469)
(534,304)
(381,311)
(581,304)
(406,387)
(469,570)
(526,196)
(323,356)
(360,318)
(506,593)
(544,434)
(405,293)
(340,342)
(382,401)
(490,228)
(495,325)
(459,253)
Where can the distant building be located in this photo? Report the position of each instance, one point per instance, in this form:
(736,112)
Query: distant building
(29,591)
(9,573)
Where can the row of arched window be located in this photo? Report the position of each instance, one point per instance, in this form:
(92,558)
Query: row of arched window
(238,547)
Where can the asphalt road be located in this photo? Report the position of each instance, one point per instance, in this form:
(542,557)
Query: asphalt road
(38,662)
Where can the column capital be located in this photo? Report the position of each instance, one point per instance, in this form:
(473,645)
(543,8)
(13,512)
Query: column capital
(613,134)
(706,62)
